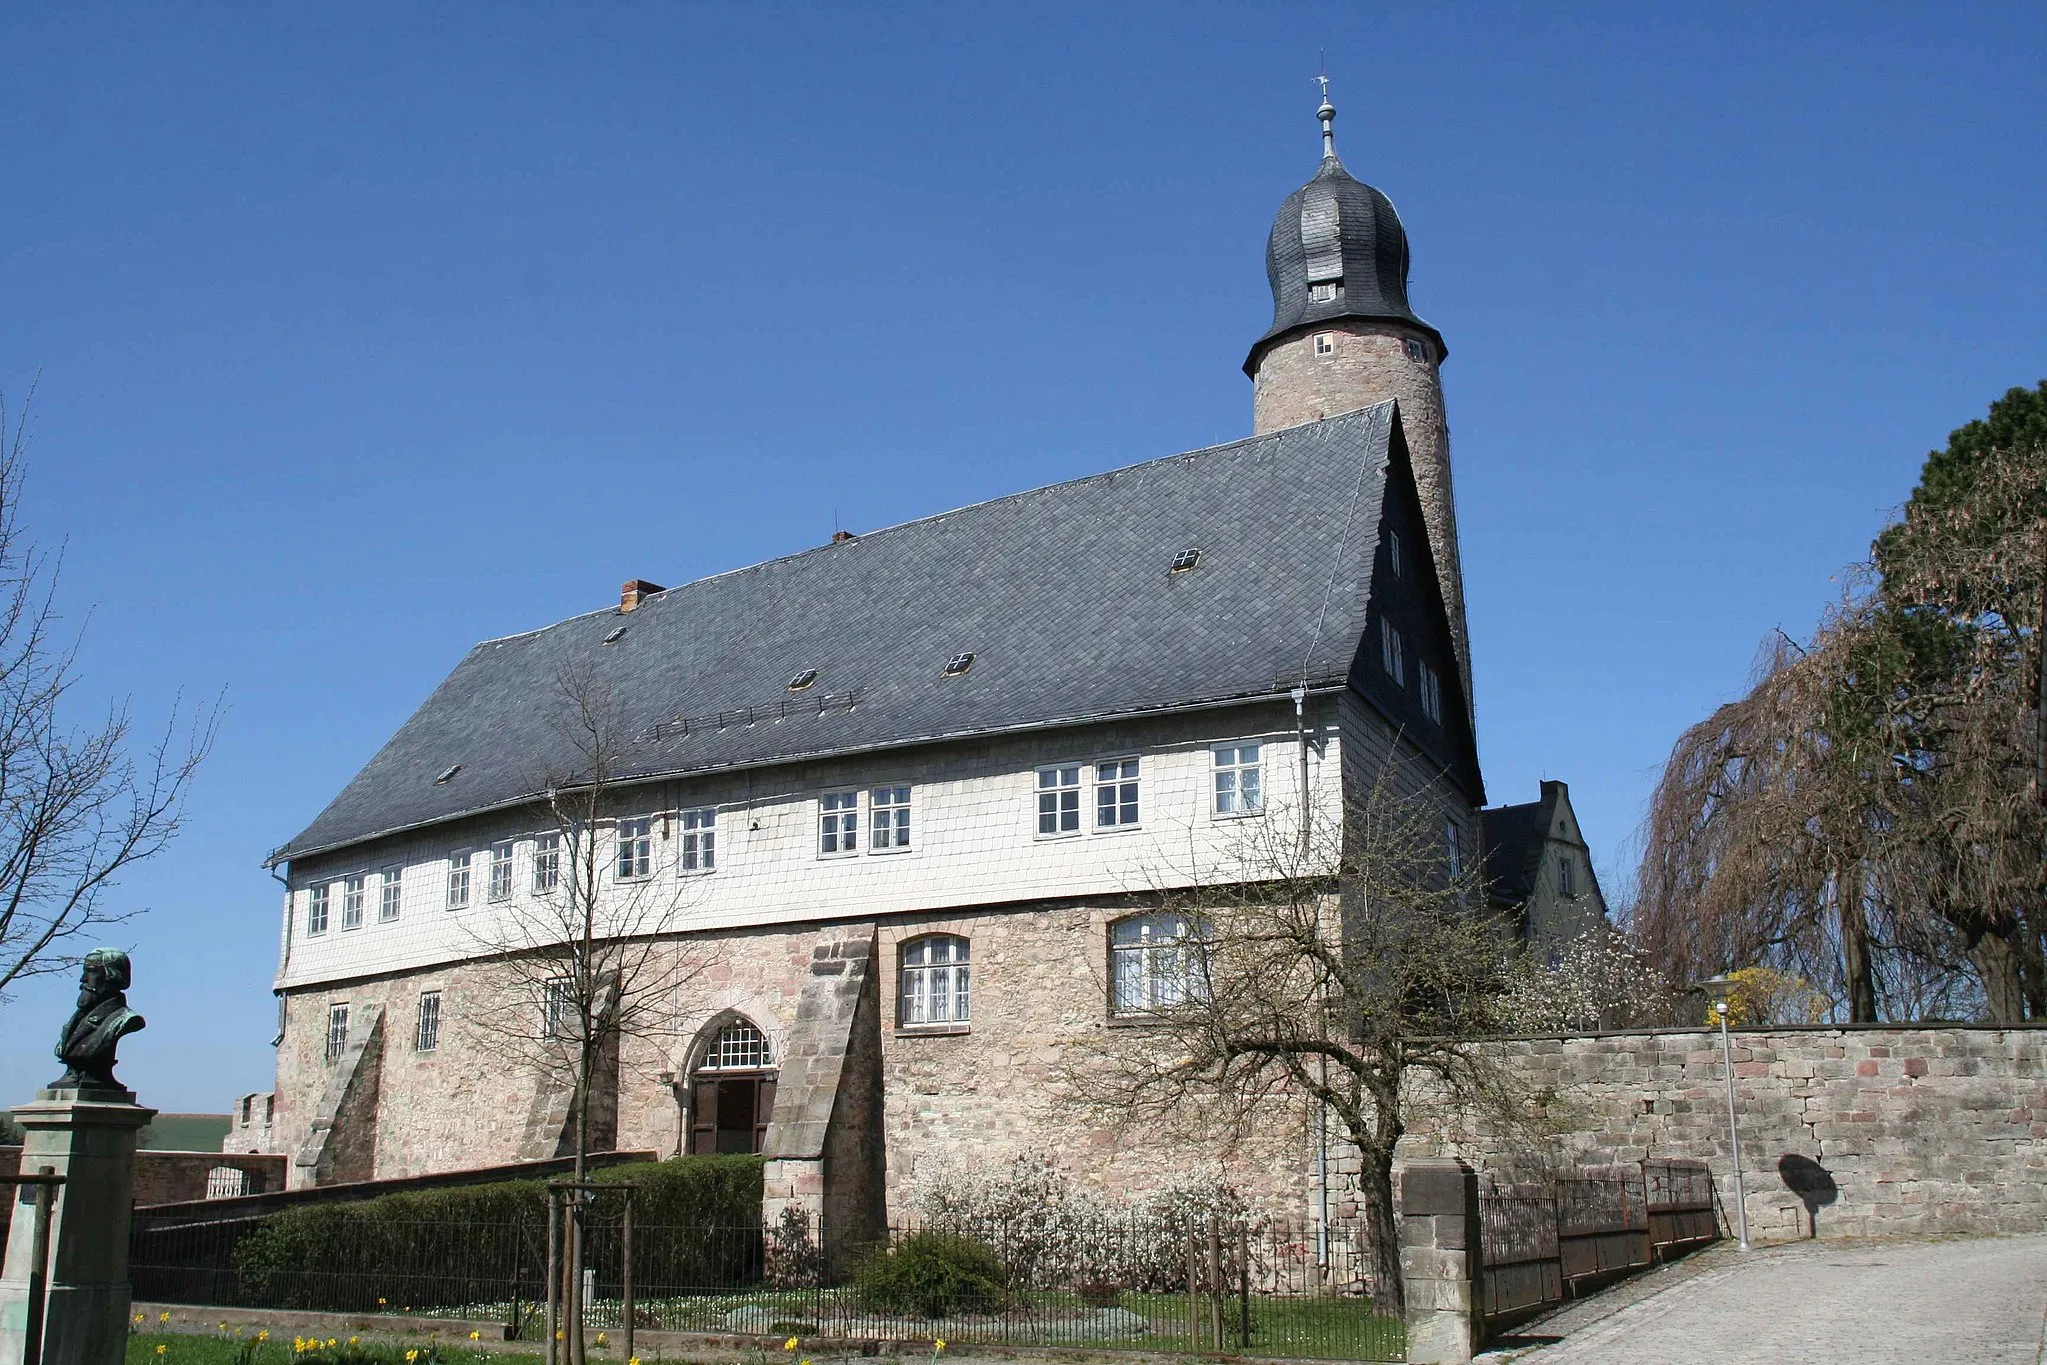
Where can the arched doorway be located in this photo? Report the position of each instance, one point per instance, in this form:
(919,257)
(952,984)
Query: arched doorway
(732,1091)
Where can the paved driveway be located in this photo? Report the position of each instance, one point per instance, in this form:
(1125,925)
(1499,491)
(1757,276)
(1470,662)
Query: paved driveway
(1862,1303)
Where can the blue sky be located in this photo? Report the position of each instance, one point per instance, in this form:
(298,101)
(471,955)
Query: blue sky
(366,334)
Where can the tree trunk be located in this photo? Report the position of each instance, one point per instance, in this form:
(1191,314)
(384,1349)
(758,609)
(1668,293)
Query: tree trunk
(1855,961)
(1382,1230)
(1997,966)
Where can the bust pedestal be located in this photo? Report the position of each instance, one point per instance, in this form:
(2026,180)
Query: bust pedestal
(86,1135)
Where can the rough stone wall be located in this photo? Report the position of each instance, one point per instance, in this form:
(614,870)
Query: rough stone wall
(1920,1130)
(174,1177)
(1369,365)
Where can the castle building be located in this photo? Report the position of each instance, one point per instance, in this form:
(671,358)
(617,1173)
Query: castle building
(904,800)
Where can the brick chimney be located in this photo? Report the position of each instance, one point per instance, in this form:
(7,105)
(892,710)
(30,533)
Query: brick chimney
(633,590)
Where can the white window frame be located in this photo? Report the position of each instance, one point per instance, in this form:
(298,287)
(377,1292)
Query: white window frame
(352,897)
(499,887)
(1059,791)
(337,1028)
(1324,291)
(888,818)
(319,907)
(458,878)
(697,849)
(632,853)
(740,1045)
(1154,963)
(426,1028)
(838,821)
(547,862)
(1238,788)
(557,1007)
(1392,653)
(1325,344)
(1431,690)
(390,894)
(1124,778)
(934,988)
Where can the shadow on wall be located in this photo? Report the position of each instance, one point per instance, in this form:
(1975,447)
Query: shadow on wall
(1811,1182)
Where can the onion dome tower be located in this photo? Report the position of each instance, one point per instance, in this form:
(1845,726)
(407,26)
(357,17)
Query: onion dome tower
(1344,336)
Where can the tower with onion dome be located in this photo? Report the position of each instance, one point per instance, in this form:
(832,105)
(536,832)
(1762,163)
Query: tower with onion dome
(1344,336)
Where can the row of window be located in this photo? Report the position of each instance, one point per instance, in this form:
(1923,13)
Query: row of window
(1325,342)
(1393,658)
(1154,963)
(1111,788)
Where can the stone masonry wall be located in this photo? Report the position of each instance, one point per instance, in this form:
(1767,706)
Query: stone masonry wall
(1369,364)
(1919,1130)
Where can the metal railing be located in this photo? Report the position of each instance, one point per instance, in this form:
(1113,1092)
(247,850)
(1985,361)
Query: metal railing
(1545,1244)
(1102,1280)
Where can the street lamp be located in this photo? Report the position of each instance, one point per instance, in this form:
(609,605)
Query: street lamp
(1720,987)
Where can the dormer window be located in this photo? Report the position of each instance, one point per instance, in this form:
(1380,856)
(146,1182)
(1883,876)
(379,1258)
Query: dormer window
(1325,343)
(1325,291)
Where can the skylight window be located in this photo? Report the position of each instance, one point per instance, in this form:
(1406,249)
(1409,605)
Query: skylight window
(959,663)
(449,775)
(613,637)
(803,680)
(1186,560)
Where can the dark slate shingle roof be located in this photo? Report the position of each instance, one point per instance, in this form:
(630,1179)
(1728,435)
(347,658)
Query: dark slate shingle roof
(1514,838)
(1062,593)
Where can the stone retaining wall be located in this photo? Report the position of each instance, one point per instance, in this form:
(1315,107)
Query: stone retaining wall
(1869,1131)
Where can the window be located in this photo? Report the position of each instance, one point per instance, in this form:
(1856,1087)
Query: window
(337,1030)
(1154,962)
(501,870)
(934,984)
(458,879)
(1325,343)
(1416,350)
(803,680)
(426,1036)
(558,1009)
(614,635)
(390,895)
(1453,851)
(1239,784)
(1185,560)
(1324,291)
(699,851)
(1058,801)
(1432,690)
(547,862)
(1567,876)
(1390,653)
(635,847)
(316,907)
(351,901)
(739,1046)
(447,774)
(888,815)
(1394,560)
(248,1114)
(838,823)
(959,663)
(1116,793)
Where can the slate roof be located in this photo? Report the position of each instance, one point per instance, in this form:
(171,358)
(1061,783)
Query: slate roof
(1062,593)
(1514,837)
(1337,227)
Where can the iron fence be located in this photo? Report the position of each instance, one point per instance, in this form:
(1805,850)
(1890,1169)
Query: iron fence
(1544,1244)
(1228,1285)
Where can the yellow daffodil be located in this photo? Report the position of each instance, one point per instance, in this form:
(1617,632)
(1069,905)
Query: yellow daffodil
(298,1343)
(263,1335)
(411,1355)
(634,1361)
(603,1340)
(476,1336)
(333,1341)
(559,1335)
(163,1317)
(223,1327)
(790,1344)
(938,1345)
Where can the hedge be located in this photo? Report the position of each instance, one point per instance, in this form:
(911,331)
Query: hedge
(696,1225)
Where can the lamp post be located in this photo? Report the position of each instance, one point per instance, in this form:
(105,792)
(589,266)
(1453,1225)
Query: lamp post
(1720,987)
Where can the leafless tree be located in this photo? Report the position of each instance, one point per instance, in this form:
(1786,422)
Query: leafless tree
(592,957)
(1341,968)
(1868,816)
(80,804)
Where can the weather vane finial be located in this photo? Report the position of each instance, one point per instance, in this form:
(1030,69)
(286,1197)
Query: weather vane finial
(1327,113)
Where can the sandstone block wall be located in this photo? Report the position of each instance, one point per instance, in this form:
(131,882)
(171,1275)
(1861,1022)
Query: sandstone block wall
(1917,1130)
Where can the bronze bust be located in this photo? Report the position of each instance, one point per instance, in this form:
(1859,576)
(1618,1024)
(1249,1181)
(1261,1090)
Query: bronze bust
(87,1044)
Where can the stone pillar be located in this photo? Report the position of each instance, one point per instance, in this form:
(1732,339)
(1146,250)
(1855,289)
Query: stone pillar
(1441,1261)
(87,1136)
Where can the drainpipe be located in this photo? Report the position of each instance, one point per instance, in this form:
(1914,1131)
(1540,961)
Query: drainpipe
(1300,695)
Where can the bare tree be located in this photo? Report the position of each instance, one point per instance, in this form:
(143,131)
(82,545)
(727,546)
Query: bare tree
(79,805)
(592,958)
(1343,966)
